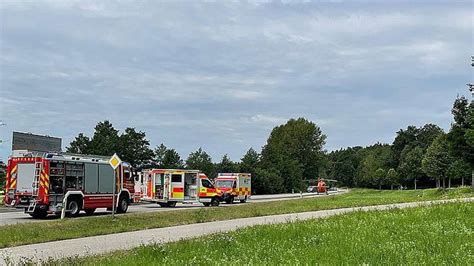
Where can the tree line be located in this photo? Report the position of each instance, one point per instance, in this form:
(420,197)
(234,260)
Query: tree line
(293,151)
(419,156)
(294,155)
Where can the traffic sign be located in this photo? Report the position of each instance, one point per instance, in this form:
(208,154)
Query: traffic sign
(115,161)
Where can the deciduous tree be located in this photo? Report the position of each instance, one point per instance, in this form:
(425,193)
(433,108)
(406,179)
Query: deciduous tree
(459,169)
(200,160)
(295,150)
(437,160)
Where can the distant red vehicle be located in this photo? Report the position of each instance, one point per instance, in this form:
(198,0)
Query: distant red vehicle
(322,187)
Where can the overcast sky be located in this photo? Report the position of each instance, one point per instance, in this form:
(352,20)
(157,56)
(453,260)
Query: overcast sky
(221,74)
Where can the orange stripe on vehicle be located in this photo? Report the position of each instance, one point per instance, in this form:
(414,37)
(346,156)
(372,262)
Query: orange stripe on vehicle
(178,189)
(13,184)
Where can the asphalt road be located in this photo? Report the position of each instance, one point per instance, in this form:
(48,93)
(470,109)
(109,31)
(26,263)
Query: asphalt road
(122,241)
(14,216)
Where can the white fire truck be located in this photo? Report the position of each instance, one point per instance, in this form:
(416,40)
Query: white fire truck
(234,186)
(39,182)
(170,186)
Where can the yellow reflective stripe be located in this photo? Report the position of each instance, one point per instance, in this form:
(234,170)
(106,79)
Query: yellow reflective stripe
(178,195)
(44,179)
(14,169)
(13,184)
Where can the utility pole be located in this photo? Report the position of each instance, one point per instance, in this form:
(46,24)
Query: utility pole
(471,89)
(1,140)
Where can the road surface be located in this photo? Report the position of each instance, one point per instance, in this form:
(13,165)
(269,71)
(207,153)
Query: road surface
(14,216)
(122,241)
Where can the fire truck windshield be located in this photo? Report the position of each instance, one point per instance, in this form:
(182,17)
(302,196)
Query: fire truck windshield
(224,183)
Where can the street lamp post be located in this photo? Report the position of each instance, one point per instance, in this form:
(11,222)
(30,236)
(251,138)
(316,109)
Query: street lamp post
(471,89)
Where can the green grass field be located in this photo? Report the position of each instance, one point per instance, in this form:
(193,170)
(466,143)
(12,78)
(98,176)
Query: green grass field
(21,234)
(437,235)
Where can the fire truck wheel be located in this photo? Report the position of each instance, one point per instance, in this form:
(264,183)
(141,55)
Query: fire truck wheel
(73,208)
(229,200)
(207,204)
(214,202)
(123,205)
(39,214)
(89,211)
(172,204)
(244,200)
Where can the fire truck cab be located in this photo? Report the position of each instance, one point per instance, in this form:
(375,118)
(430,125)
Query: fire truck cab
(170,186)
(234,186)
(41,183)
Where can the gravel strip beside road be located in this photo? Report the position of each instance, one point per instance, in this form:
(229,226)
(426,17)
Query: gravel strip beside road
(122,241)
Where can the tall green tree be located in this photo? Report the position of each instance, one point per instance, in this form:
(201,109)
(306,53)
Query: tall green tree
(105,140)
(404,138)
(461,135)
(267,181)
(437,160)
(172,160)
(460,112)
(80,145)
(158,156)
(427,134)
(393,178)
(132,146)
(295,150)
(343,165)
(410,164)
(135,148)
(380,176)
(226,165)
(459,169)
(374,157)
(250,162)
(344,172)
(200,160)
(414,137)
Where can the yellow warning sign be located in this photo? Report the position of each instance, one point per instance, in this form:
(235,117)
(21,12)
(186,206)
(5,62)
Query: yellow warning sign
(115,161)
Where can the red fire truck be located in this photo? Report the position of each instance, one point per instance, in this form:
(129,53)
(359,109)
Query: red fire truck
(41,183)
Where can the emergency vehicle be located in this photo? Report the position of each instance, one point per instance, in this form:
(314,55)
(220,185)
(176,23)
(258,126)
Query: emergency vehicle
(38,182)
(322,187)
(170,186)
(234,186)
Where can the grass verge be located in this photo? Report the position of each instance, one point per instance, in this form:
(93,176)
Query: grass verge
(436,235)
(21,234)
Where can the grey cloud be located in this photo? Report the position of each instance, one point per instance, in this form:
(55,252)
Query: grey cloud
(221,74)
